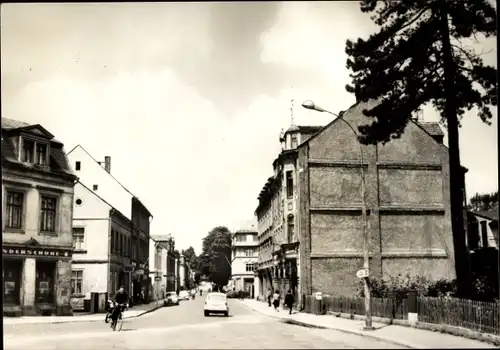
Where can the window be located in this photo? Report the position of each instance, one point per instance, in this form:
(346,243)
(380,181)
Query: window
(113,241)
(250,267)
(294,141)
(78,238)
(77,282)
(249,252)
(48,214)
(28,150)
(291,231)
(240,238)
(41,154)
(289,184)
(14,214)
(77,165)
(484,233)
(95,187)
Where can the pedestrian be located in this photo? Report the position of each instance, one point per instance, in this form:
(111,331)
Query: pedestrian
(289,300)
(269,297)
(276,301)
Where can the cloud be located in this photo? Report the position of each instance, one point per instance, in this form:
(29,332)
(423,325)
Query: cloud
(311,35)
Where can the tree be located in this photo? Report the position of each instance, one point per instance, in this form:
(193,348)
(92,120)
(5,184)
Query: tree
(191,258)
(419,57)
(484,202)
(216,255)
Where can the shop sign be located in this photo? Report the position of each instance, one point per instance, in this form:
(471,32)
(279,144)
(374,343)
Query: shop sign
(35,252)
(77,304)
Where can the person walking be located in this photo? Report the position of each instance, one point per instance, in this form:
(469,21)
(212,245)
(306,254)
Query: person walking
(289,300)
(276,301)
(269,297)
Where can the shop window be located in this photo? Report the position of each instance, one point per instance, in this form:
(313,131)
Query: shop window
(11,277)
(77,282)
(44,282)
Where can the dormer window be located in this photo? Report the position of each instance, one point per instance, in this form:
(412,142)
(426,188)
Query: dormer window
(34,152)
(28,151)
(41,154)
(294,141)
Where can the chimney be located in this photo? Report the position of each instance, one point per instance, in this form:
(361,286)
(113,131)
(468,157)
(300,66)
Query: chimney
(107,164)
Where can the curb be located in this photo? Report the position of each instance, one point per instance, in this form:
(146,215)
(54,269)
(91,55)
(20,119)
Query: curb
(77,320)
(310,325)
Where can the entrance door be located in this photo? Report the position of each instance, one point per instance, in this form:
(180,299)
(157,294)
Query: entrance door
(44,282)
(11,276)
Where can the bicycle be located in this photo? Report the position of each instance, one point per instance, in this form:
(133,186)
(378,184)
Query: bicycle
(119,318)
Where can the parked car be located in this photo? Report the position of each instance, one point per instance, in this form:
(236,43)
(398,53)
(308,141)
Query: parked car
(171,299)
(184,295)
(216,303)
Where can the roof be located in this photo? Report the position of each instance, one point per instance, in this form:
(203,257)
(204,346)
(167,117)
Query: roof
(491,214)
(59,163)
(307,129)
(134,197)
(9,124)
(432,128)
(249,227)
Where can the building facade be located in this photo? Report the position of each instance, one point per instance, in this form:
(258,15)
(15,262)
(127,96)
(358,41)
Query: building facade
(102,248)
(156,270)
(407,198)
(277,215)
(168,256)
(37,188)
(130,224)
(244,259)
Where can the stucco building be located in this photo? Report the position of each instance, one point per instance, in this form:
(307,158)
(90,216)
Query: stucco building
(37,190)
(309,212)
(277,214)
(127,239)
(408,203)
(244,258)
(102,248)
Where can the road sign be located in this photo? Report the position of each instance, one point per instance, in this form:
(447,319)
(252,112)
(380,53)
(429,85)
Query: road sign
(157,278)
(363,273)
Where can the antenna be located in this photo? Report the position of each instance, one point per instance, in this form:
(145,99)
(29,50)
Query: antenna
(292,121)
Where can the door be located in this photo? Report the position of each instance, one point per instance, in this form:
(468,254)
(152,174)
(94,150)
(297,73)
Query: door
(11,277)
(44,282)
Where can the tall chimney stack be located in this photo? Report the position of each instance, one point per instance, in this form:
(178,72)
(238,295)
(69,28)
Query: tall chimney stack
(107,164)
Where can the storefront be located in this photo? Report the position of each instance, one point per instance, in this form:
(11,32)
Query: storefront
(36,280)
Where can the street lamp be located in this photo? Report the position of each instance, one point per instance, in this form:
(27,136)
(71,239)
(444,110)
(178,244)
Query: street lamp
(366,264)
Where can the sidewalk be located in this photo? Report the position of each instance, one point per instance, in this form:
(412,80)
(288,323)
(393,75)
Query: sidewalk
(400,335)
(134,311)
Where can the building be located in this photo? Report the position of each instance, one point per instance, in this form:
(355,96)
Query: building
(277,215)
(157,271)
(102,257)
(313,240)
(183,273)
(482,230)
(37,189)
(97,176)
(167,243)
(244,258)
(407,199)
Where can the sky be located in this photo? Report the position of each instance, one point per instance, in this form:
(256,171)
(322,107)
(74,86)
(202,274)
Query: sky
(189,99)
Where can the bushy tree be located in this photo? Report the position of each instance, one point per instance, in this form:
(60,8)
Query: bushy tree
(420,56)
(486,201)
(216,255)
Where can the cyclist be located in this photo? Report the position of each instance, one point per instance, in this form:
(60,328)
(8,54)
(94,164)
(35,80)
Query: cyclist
(121,299)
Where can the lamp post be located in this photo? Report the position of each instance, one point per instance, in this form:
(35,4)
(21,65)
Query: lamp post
(366,239)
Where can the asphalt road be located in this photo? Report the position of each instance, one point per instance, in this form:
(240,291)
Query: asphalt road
(184,327)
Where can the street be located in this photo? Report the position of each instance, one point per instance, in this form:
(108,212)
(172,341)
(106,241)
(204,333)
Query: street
(183,327)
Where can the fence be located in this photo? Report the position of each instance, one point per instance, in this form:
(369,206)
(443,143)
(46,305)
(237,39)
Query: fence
(388,308)
(478,316)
